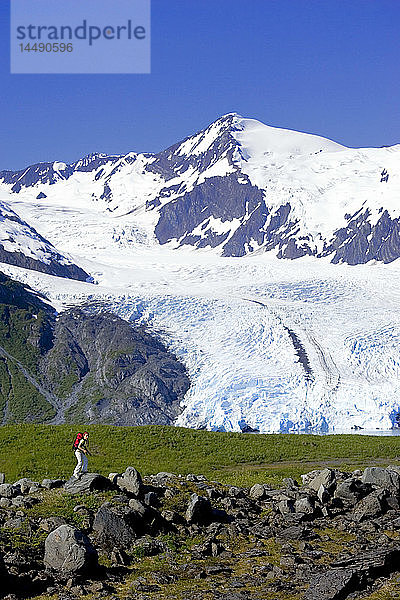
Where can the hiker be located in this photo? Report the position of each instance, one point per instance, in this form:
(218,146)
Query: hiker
(81,451)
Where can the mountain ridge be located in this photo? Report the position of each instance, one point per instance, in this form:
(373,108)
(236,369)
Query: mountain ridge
(241,186)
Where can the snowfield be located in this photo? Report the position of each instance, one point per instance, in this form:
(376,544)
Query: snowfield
(275,345)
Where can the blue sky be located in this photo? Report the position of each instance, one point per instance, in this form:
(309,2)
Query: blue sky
(329,67)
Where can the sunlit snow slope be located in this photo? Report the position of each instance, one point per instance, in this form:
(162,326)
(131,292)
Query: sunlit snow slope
(273,344)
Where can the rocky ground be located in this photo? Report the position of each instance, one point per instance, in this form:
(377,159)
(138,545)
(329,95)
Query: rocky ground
(335,536)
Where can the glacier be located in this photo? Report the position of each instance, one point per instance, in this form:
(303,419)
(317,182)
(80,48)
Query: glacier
(271,344)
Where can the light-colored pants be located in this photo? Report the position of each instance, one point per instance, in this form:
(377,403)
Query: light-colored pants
(82,464)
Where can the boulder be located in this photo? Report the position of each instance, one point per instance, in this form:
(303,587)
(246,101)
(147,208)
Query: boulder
(257,492)
(88,482)
(352,490)
(305,505)
(114,526)
(335,584)
(376,562)
(198,510)
(68,552)
(326,477)
(388,479)
(370,507)
(130,481)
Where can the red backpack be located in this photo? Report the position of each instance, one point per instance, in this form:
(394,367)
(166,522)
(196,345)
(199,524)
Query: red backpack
(79,437)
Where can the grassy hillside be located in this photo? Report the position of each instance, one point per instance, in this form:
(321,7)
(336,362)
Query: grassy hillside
(41,451)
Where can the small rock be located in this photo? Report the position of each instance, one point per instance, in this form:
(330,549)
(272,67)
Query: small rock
(95,587)
(16,523)
(323,494)
(393,503)
(198,510)
(51,523)
(119,557)
(287,561)
(138,507)
(50,484)
(173,517)
(295,532)
(113,477)
(195,478)
(149,547)
(2,478)
(7,490)
(151,499)
(285,507)
(213,494)
(80,508)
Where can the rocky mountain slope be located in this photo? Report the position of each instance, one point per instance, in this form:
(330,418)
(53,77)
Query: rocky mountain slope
(23,246)
(240,186)
(333,537)
(81,365)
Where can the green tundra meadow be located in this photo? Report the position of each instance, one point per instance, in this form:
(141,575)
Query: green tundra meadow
(39,451)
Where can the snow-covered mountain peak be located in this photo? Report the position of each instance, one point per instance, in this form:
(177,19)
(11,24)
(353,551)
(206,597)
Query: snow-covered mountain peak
(258,141)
